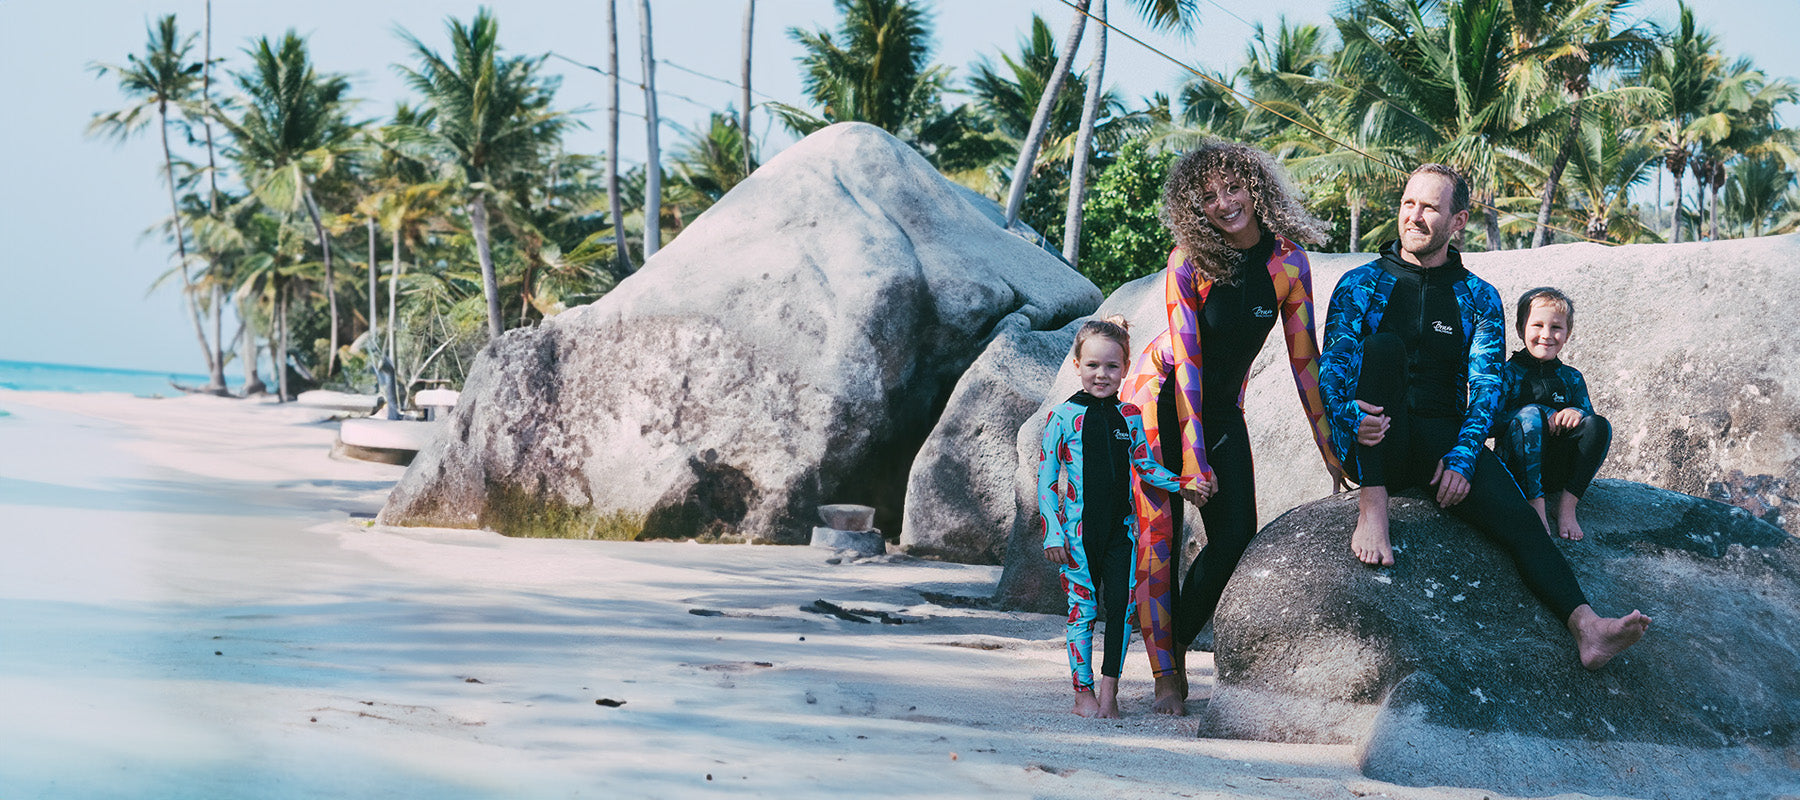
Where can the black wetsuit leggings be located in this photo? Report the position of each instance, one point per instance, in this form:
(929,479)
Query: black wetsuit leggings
(1111,560)
(1229,516)
(1409,453)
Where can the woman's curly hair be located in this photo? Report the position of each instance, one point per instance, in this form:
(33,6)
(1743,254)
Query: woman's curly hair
(1278,207)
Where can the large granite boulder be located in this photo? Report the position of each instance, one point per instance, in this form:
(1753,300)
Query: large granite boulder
(1444,670)
(960,498)
(1273,415)
(791,348)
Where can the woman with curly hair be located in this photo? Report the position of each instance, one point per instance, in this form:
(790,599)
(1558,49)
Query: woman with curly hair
(1236,220)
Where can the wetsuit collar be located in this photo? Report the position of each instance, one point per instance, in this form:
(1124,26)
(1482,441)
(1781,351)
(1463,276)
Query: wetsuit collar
(1526,359)
(1082,398)
(1450,271)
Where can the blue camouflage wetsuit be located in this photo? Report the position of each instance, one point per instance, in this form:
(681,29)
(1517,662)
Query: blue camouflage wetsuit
(1531,392)
(1099,443)
(1424,345)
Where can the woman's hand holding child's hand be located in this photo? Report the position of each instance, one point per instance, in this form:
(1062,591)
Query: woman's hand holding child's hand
(1059,556)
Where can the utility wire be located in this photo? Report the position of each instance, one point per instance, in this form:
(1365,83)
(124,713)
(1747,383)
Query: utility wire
(1303,126)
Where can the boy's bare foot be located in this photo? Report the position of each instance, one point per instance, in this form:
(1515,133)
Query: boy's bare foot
(1537,504)
(1106,692)
(1370,540)
(1171,694)
(1601,638)
(1085,704)
(1566,524)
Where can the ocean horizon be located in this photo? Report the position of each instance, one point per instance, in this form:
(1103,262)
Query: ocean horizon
(35,376)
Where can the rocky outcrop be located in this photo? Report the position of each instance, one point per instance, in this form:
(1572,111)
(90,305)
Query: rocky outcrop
(960,500)
(1444,670)
(791,348)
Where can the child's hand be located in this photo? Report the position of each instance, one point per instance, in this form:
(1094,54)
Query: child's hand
(1565,420)
(1059,556)
(1373,427)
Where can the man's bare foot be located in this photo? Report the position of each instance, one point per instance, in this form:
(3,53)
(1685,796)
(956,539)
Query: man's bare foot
(1537,504)
(1171,694)
(1566,524)
(1085,704)
(1601,638)
(1370,540)
(1106,692)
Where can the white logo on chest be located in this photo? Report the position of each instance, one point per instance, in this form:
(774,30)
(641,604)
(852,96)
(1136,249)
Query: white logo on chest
(1440,327)
(1120,435)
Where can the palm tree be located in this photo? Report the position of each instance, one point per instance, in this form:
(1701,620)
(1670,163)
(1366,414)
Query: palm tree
(1178,15)
(1685,72)
(621,258)
(1759,191)
(653,161)
(1610,159)
(1084,139)
(161,78)
(491,123)
(1440,92)
(292,131)
(744,122)
(711,163)
(877,70)
(1566,41)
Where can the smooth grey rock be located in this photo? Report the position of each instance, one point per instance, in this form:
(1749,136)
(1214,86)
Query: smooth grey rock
(847,516)
(868,543)
(960,499)
(1444,670)
(790,348)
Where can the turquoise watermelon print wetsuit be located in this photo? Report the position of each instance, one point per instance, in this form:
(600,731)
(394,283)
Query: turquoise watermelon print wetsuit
(1093,447)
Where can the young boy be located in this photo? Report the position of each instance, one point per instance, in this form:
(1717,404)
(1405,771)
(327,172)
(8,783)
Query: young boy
(1547,432)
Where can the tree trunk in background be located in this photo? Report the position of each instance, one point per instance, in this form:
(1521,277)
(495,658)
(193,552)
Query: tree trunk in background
(744,119)
(1541,236)
(616,207)
(373,337)
(312,209)
(490,286)
(281,343)
(247,352)
(653,159)
(1493,222)
(216,384)
(187,282)
(1084,139)
(1355,225)
(1040,121)
(394,303)
(1676,167)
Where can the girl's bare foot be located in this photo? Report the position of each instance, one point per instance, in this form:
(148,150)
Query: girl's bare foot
(1370,540)
(1601,638)
(1106,693)
(1171,694)
(1566,524)
(1085,704)
(1537,504)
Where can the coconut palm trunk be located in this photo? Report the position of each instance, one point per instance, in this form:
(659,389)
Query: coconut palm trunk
(1040,121)
(653,165)
(312,210)
(372,339)
(187,281)
(1493,220)
(393,318)
(615,204)
(744,114)
(1676,159)
(217,382)
(1541,235)
(478,224)
(1084,139)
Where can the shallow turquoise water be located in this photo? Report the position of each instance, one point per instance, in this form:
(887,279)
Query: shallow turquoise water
(35,377)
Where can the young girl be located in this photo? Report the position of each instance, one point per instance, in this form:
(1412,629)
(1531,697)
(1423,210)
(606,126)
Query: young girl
(1547,431)
(1089,530)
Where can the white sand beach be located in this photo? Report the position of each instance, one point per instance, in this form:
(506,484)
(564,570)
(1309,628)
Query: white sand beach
(195,605)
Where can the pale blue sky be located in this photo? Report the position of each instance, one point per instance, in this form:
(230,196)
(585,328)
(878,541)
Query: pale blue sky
(77,271)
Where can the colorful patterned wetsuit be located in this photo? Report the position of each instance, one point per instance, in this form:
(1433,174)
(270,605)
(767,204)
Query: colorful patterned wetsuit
(1424,345)
(1168,379)
(1531,391)
(1099,444)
